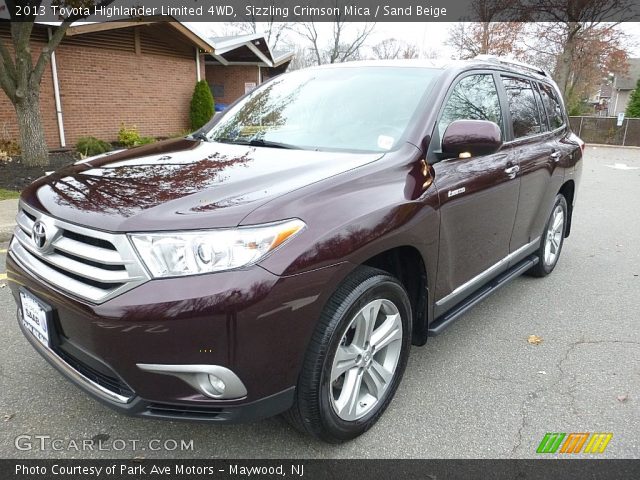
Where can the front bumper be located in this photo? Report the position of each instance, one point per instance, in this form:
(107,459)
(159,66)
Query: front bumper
(251,322)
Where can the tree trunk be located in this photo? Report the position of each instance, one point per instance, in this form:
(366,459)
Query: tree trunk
(32,142)
(484,47)
(563,69)
(565,60)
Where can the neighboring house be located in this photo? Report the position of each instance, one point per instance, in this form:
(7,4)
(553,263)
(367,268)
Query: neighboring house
(138,73)
(623,85)
(601,100)
(239,63)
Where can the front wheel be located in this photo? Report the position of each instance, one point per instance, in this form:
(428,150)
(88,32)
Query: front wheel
(356,358)
(552,239)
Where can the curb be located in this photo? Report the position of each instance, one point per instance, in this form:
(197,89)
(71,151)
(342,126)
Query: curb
(8,210)
(604,145)
(5,233)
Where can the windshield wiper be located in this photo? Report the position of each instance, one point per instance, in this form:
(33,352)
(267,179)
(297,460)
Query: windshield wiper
(259,142)
(200,136)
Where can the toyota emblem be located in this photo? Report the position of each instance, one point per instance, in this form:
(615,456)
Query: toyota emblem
(39,232)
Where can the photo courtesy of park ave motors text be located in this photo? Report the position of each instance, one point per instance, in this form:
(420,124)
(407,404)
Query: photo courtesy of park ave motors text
(321,238)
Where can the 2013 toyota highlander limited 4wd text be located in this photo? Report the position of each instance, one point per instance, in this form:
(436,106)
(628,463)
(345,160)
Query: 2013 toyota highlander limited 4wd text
(286,256)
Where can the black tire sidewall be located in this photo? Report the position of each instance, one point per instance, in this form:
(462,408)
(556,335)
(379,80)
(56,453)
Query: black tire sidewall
(560,200)
(383,288)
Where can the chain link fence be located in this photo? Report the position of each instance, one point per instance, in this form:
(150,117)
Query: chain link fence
(605,130)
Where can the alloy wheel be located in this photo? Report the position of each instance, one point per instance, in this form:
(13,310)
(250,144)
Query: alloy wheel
(553,238)
(366,359)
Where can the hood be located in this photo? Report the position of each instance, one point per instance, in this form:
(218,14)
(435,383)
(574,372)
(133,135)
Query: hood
(181,184)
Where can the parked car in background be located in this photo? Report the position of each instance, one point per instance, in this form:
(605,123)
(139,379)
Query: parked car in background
(285,258)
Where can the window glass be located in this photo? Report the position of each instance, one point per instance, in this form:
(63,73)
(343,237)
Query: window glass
(543,117)
(331,108)
(552,106)
(525,117)
(473,98)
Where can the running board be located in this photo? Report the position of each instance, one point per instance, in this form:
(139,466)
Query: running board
(447,319)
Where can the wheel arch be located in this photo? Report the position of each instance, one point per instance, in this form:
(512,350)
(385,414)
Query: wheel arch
(407,265)
(568,191)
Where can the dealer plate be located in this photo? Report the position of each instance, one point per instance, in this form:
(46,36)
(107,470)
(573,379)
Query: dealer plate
(35,316)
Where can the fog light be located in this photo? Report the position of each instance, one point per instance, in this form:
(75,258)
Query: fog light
(217,384)
(213,381)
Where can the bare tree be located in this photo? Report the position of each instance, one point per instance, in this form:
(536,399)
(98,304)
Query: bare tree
(486,38)
(346,46)
(579,26)
(430,53)
(391,48)
(578,54)
(273,31)
(309,31)
(21,74)
(303,58)
(346,41)
(579,41)
(494,33)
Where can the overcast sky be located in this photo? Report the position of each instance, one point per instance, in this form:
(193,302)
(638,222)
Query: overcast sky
(428,36)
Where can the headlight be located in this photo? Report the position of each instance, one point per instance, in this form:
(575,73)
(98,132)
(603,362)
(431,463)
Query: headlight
(190,253)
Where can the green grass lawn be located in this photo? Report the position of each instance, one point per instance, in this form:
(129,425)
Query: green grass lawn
(7,194)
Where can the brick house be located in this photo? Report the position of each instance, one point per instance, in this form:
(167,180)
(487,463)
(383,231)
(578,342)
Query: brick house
(238,63)
(138,73)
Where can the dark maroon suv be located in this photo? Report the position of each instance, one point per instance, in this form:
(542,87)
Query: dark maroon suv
(286,256)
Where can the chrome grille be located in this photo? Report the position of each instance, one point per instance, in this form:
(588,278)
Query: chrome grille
(86,263)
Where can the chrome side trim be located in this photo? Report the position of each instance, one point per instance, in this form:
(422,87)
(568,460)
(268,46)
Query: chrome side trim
(488,273)
(198,377)
(71,372)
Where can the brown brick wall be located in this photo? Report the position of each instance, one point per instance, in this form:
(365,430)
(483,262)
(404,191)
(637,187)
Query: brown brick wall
(233,77)
(103,87)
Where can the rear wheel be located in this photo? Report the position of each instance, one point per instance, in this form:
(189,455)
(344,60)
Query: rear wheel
(356,358)
(552,239)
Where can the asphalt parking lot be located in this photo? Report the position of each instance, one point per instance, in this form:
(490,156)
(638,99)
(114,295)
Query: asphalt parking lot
(479,390)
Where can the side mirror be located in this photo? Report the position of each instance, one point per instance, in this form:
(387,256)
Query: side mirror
(471,138)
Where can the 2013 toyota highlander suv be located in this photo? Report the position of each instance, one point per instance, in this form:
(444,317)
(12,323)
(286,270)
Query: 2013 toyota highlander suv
(286,256)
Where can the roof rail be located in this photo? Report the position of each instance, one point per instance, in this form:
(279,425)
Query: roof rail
(509,61)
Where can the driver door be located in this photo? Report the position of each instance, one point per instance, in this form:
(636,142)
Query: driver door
(478,197)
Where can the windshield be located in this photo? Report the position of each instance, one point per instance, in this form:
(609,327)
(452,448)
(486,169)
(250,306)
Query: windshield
(354,108)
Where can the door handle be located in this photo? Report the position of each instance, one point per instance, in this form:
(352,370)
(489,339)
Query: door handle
(512,171)
(556,155)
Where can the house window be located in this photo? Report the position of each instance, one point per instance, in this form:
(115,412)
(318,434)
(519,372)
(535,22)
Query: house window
(217,90)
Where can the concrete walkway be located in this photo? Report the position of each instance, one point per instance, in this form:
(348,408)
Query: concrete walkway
(8,210)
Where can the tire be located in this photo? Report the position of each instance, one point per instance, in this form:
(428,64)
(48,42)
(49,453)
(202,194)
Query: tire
(552,239)
(325,409)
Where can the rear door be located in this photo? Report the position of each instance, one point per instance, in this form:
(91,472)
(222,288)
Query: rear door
(535,148)
(478,196)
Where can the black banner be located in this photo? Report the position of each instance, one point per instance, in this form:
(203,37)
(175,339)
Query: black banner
(325,10)
(143,469)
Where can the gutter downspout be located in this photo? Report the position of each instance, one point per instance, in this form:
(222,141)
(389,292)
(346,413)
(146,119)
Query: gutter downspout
(198,76)
(259,75)
(56,92)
